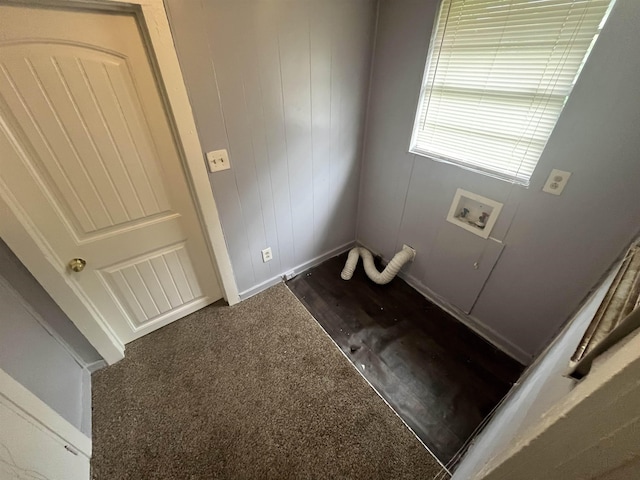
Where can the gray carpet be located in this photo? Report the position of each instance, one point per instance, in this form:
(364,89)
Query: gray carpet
(252,391)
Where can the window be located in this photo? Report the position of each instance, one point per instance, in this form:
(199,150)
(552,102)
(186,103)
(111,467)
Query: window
(497,77)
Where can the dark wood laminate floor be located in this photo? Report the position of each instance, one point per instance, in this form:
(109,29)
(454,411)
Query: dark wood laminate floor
(438,375)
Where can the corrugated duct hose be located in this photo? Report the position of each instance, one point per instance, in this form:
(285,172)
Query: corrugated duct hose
(405,255)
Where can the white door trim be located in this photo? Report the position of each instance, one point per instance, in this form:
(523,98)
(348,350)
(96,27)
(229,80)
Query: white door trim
(591,431)
(20,237)
(153,19)
(26,404)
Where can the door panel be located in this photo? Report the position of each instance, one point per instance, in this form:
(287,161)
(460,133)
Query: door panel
(88,154)
(152,286)
(77,108)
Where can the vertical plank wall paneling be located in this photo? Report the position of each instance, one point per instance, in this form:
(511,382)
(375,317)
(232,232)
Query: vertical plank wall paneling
(283,86)
(556,248)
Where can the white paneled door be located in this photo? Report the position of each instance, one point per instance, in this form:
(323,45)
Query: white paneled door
(90,167)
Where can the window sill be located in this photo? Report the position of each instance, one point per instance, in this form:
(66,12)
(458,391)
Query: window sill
(472,168)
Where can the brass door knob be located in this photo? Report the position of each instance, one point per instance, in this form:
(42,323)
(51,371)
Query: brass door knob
(77,264)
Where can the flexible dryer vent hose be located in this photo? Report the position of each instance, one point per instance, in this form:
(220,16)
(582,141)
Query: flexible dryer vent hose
(405,255)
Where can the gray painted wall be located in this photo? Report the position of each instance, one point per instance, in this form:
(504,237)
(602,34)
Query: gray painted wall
(37,359)
(556,248)
(282,85)
(17,275)
(543,385)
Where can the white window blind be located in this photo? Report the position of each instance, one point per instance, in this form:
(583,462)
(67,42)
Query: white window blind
(497,77)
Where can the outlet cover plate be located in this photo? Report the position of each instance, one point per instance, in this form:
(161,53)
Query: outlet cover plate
(556,182)
(218,160)
(267,256)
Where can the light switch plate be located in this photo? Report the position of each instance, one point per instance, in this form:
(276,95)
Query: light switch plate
(218,160)
(556,182)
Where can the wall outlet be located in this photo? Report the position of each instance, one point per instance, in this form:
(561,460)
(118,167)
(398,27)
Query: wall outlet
(218,160)
(267,255)
(556,182)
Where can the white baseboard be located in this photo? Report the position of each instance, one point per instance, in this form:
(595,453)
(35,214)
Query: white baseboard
(469,321)
(296,270)
(95,366)
(85,417)
(472,323)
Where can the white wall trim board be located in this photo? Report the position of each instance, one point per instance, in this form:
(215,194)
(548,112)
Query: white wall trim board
(37,411)
(296,270)
(155,20)
(95,366)
(474,324)
(85,417)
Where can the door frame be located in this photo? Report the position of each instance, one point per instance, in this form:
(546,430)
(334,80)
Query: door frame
(153,20)
(588,433)
(20,399)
